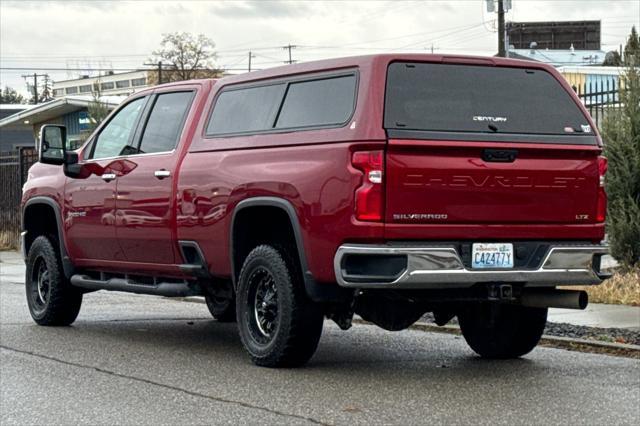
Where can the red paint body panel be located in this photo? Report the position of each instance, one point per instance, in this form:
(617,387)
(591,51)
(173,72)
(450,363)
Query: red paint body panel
(317,180)
(90,218)
(134,223)
(145,207)
(431,183)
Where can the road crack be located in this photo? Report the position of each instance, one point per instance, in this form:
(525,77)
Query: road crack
(165,386)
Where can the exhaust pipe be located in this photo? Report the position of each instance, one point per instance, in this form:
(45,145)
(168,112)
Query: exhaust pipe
(567,299)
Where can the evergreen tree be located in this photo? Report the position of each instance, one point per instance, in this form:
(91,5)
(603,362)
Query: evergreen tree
(621,131)
(632,48)
(10,96)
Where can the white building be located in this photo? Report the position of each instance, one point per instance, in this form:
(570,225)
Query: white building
(107,85)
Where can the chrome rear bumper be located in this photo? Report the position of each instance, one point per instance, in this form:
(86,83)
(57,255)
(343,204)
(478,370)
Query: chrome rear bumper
(440,267)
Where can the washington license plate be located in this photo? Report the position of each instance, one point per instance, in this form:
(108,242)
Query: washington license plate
(492,255)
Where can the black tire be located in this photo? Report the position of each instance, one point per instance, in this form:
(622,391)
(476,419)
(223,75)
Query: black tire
(221,302)
(51,298)
(279,326)
(502,331)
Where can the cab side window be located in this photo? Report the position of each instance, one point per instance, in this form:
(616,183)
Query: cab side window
(248,109)
(163,128)
(323,102)
(115,138)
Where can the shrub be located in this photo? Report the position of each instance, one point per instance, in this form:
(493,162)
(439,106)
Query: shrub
(621,132)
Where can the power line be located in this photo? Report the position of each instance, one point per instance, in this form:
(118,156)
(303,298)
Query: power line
(67,69)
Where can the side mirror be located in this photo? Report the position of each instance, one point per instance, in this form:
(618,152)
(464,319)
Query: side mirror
(52,144)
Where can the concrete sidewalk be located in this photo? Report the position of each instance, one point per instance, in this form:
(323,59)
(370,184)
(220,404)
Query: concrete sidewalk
(599,315)
(596,314)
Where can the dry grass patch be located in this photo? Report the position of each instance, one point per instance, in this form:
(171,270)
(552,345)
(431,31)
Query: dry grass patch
(621,289)
(8,240)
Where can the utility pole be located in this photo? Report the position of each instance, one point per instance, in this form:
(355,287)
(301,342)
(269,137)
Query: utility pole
(35,84)
(503,7)
(250,56)
(501,50)
(289,47)
(159,65)
(35,88)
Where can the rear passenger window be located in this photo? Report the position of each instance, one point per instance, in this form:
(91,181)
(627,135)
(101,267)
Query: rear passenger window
(318,102)
(246,110)
(165,122)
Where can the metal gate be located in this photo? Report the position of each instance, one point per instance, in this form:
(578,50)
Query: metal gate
(14,170)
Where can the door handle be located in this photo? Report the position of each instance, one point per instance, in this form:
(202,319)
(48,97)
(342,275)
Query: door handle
(108,177)
(162,173)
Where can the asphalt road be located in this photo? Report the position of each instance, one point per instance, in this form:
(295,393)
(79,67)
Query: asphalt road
(141,359)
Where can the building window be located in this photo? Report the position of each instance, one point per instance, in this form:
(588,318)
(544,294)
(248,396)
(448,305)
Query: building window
(71,90)
(122,84)
(138,82)
(85,89)
(107,86)
(58,92)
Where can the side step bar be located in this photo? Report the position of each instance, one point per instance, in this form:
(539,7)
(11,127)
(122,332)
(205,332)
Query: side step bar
(158,288)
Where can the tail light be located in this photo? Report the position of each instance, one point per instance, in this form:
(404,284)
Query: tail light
(602,195)
(369,196)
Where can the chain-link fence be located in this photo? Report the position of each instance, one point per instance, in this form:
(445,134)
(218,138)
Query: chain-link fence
(14,168)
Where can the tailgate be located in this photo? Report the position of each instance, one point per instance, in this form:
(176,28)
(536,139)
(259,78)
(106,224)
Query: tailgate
(457,182)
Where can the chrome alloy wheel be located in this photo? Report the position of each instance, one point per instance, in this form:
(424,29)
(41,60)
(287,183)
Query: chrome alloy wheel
(40,284)
(265,305)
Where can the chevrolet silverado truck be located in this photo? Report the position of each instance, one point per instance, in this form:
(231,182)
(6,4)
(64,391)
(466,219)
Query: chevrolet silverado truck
(383,186)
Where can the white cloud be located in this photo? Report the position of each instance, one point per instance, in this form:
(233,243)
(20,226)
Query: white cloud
(123,33)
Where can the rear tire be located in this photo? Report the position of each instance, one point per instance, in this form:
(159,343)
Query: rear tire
(502,331)
(279,326)
(51,298)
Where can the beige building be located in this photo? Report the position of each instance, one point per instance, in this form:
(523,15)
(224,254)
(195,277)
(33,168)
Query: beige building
(108,85)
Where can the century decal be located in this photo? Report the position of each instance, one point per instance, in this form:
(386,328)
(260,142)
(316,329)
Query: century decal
(489,118)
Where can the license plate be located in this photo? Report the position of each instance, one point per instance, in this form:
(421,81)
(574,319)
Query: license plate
(492,255)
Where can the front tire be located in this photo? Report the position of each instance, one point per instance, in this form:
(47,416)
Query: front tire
(51,299)
(279,326)
(500,330)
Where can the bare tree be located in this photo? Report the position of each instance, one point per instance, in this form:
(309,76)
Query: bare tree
(97,111)
(185,55)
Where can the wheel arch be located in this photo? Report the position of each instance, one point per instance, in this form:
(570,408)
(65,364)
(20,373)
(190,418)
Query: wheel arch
(33,226)
(273,203)
(318,292)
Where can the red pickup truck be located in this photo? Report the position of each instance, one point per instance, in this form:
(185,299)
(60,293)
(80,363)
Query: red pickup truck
(387,186)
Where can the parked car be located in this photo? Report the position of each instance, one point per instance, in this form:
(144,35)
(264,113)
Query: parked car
(387,186)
